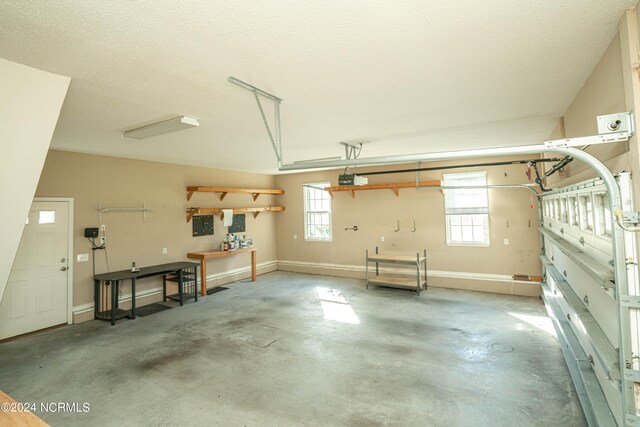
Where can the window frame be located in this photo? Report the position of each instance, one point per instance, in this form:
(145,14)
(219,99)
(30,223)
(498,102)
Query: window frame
(545,208)
(564,214)
(573,211)
(305,195)
(602,215)
(587,219)
(556,209)
(472,212)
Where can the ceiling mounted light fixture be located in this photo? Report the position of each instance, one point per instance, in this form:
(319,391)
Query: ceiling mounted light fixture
(160,128)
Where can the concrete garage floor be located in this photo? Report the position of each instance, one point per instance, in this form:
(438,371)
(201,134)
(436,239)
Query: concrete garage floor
(269,353)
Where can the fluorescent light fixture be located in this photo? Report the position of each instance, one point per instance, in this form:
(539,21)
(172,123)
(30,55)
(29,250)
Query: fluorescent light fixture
(160,128)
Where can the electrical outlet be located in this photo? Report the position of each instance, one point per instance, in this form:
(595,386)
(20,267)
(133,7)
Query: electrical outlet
(164,251)
(506,242)
(103,240)
(382,238)
(82,257)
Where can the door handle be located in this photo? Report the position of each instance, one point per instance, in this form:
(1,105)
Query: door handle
(63,269)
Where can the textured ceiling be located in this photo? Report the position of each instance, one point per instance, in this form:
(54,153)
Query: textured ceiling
(408,76)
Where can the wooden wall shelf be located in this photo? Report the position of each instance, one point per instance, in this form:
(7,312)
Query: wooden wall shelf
(395,187)
(191,212)
(254,192)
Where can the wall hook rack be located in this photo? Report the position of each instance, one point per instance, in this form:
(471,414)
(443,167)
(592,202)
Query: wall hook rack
(144,209)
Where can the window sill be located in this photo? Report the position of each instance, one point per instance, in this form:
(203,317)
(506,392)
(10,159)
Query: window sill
(472,245)
(319,240)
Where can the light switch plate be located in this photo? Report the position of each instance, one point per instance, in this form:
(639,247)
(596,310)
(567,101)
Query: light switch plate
(506,242)
(164,251)
(82,257)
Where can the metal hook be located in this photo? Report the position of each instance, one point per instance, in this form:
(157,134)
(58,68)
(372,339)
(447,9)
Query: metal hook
(354,228)
(397,227)
(413,230)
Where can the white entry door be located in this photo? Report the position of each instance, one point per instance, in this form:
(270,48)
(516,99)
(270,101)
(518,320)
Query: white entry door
(36,294)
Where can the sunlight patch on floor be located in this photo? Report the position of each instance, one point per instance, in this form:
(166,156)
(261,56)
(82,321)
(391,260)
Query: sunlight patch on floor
(335,306)
(543,323)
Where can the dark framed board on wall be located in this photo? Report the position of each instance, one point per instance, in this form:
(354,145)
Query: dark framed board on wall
(239,224)
(202,225)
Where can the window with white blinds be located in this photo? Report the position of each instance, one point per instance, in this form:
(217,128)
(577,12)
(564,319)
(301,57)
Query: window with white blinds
(317,212)
(466,209)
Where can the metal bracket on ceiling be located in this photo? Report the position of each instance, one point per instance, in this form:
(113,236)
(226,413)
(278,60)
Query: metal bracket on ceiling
(351,152)
(616,127)
(588,140)
(617,122)
(276,142)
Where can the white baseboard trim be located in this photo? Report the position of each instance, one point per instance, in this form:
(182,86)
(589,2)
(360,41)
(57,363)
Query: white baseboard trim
(275,265)
(85,308)
(407,271)
(241,270)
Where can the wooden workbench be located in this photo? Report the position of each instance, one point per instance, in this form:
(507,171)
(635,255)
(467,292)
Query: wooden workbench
(204,256)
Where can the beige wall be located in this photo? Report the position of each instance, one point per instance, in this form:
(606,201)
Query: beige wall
(376,213)
(113,182)
(602,93)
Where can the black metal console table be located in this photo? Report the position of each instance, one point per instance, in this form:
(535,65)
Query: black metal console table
(106,300)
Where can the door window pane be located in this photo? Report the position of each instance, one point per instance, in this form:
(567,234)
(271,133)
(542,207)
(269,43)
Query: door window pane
(46,217)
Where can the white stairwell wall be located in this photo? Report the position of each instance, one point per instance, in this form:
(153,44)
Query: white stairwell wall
(30,103)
